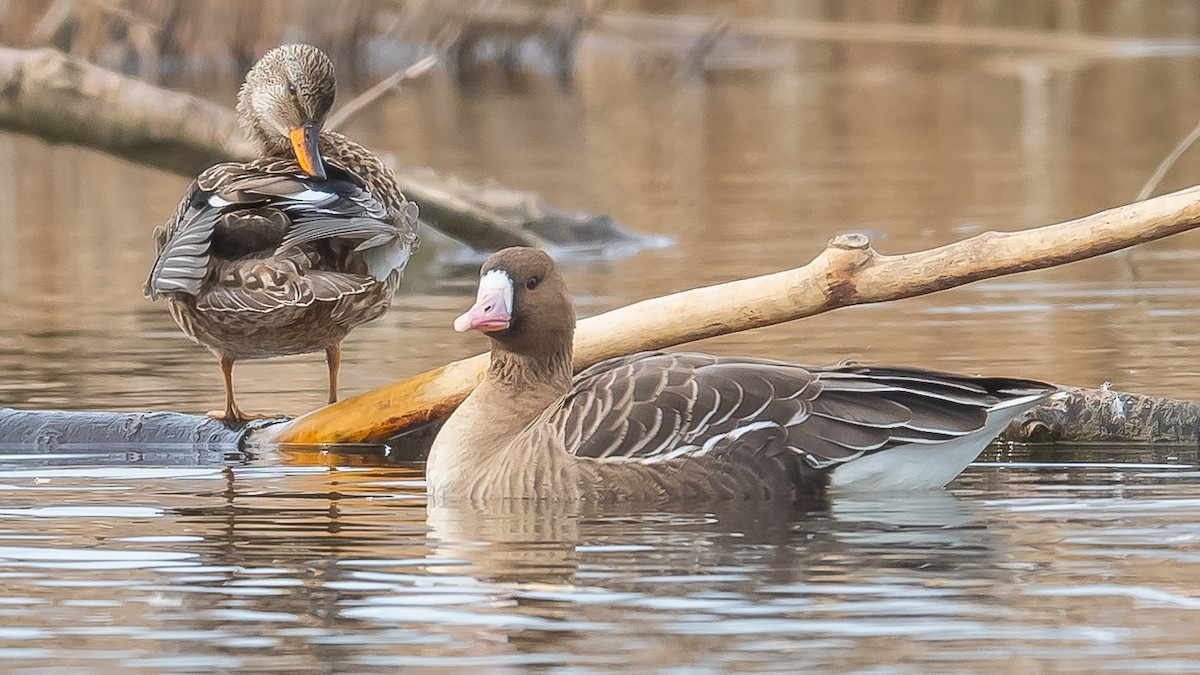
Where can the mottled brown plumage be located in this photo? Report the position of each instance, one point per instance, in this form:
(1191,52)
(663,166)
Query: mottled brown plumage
(287,253)
(689,426)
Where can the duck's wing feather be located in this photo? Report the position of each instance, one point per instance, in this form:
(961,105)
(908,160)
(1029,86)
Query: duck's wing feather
(182,245)
(290,289)
(664,407)
(232,194)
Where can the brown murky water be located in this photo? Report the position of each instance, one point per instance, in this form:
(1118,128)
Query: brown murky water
(1029,561)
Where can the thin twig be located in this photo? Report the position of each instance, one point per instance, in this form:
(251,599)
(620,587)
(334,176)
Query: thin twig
(373,94)
(1165,166)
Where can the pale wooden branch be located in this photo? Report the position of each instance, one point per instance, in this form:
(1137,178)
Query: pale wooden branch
(848,272)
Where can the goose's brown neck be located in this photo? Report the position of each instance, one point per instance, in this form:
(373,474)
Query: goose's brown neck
(551,370)
(471,447)
(516,389)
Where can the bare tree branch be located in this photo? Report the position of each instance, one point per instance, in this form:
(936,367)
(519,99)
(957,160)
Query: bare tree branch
(1168,162)
(360,102)
(65,100)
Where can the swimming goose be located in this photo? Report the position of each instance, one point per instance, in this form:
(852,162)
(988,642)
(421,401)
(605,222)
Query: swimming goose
(683,426)
(287,253)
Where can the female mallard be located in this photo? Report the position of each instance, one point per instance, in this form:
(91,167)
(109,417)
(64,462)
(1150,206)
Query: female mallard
(286,253)
(686,426)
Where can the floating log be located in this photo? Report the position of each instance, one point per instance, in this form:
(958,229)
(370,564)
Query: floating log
(848,272)
(108,437)
(53,429)
(1103,415)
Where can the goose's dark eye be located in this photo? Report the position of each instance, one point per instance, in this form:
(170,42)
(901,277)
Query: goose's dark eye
(533,282)
(291,88)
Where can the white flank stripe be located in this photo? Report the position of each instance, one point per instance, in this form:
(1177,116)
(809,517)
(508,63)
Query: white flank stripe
(310,196)
(802,414)
(709,445)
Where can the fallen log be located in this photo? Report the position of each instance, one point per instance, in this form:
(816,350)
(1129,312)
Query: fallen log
(159,438)
(848,272)
(52,429)
(62,99)
(1081,415)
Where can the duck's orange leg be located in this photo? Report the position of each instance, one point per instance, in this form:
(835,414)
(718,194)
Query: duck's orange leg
(232,413)
(333,357)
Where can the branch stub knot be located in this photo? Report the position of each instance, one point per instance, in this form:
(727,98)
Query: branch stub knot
(851,241)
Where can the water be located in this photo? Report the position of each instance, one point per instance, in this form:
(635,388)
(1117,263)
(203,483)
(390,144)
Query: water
(1052,559)
(260,567)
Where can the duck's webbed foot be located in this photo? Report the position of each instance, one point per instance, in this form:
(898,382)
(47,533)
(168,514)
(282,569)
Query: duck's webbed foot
(232,414)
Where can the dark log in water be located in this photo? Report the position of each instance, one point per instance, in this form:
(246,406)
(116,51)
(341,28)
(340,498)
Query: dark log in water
(54,430)
(1107,416)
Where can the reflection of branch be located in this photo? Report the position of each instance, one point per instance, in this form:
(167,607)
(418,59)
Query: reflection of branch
(358,103)
(1168,162)
(848,272)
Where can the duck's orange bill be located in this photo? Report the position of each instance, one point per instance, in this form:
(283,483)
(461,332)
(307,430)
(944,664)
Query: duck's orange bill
(304,144)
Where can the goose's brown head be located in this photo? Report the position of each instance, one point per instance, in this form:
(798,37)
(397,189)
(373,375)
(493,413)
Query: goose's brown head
(523,304)
(284,102)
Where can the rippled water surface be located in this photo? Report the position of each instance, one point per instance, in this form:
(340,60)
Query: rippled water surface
(1042,559)
(1026,564)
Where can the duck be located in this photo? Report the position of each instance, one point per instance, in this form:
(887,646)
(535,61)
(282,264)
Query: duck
(286,253)
(687,426)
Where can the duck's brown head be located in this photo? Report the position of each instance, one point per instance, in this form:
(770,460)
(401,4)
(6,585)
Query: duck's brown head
(523,304)
(284,102)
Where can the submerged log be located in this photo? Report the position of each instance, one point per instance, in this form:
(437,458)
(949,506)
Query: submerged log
(1082,415)
(62,99)
(52,430)
(848,272)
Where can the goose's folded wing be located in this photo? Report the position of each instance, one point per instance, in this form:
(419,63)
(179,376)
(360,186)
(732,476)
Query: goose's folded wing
(656,408)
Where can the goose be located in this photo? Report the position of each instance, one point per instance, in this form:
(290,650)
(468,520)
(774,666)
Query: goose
(284,254)
(658,426)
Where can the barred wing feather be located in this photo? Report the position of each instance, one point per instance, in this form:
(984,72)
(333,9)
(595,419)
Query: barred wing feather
(313,210)
(659,408)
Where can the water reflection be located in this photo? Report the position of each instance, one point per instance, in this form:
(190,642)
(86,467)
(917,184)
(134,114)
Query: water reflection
(1060,561)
